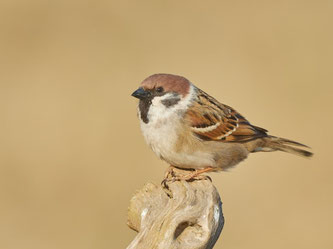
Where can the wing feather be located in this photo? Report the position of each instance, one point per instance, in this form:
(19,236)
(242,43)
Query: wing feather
(211,120)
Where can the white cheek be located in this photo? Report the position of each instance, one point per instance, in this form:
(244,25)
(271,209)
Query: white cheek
(158,111)
(157,103)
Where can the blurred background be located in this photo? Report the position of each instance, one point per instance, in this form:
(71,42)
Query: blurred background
(71,151)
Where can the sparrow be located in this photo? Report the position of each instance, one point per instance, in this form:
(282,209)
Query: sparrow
(191,130)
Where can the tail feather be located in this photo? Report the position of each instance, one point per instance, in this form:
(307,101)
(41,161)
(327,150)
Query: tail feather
(286,145)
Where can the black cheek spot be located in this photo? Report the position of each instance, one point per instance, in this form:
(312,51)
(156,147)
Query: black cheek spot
(170,102)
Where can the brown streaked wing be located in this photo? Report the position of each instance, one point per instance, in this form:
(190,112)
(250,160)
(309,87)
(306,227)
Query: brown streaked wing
(211,120)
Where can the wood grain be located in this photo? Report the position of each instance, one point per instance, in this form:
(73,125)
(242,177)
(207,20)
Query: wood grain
(191,218)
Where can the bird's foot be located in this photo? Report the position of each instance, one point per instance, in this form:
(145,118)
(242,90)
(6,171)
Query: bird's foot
(196,175)
(170,172)
(168,177)
(171,176)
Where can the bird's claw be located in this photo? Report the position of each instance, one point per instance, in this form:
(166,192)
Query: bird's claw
(171,176)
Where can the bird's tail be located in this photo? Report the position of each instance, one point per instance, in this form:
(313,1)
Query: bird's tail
(276,143)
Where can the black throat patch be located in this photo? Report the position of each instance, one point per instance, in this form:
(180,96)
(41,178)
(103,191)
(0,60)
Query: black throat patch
(144,105)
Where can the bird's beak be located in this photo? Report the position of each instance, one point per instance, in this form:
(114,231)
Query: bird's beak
(140,93)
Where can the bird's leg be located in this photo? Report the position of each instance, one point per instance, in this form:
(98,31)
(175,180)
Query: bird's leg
(168,176)
(169,172)
(171,176)
(197,175)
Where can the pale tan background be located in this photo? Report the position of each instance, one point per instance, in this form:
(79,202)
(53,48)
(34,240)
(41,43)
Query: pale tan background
(71,151)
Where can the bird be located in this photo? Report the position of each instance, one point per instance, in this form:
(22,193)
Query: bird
(191,130)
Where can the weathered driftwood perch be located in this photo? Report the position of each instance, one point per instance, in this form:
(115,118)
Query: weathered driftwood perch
(192,218)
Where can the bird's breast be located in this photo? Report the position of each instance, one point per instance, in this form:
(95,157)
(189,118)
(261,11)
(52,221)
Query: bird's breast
(167,139)
(160,136)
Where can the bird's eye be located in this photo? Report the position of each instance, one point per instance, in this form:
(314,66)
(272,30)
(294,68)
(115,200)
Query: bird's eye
(159,89)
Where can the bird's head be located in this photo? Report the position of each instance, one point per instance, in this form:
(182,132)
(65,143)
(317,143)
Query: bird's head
(163,91)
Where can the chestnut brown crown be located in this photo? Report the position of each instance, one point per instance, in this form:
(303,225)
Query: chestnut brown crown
(167,83)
